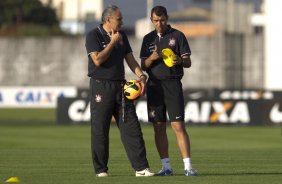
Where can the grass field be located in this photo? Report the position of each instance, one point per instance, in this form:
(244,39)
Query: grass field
(35,149)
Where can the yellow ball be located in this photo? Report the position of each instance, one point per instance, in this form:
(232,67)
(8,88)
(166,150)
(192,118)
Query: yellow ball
(132,89)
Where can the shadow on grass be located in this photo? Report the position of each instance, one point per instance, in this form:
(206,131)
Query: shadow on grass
(26,123)
(237,174)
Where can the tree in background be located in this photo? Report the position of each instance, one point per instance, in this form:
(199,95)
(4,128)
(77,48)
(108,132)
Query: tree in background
(27,17)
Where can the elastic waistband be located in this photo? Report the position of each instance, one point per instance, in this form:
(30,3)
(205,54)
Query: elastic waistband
(108,80)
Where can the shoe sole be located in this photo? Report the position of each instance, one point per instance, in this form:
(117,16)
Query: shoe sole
(144,175)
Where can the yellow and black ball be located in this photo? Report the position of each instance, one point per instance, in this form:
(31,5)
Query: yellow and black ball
(132,89)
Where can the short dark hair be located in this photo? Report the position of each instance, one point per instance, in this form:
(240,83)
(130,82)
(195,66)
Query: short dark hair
(159,11)
(108,11)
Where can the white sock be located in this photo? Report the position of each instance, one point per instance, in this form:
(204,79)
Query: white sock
(166,163)
(187,164)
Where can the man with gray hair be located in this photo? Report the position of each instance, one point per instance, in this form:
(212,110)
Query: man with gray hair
(107,47)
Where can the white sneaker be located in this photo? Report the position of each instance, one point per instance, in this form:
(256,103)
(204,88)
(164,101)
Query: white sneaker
(145,172)
(102,174)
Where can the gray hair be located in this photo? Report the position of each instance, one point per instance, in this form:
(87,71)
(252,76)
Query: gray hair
(108,11)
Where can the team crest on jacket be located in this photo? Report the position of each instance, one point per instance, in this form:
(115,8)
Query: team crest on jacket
(98,98)
(171,42)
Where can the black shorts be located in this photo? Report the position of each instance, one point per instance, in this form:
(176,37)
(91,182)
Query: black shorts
(165,96)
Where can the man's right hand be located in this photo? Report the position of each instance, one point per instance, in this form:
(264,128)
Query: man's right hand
(115,37)
(154,56)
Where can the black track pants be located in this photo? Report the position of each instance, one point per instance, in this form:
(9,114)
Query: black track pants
(107,101)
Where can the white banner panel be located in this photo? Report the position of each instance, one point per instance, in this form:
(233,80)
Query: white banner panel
(34,97)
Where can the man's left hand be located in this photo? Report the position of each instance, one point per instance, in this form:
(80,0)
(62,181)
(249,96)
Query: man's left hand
(177,60)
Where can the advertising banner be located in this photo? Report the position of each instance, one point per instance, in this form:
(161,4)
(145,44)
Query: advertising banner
(200,112)
(73,110)
(246,94)
(34,97)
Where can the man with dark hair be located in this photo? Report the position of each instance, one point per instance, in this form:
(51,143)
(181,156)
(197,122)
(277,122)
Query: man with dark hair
(164,87)
(107,47)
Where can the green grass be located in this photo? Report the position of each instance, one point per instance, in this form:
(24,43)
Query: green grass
(45,153)
(22,116)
